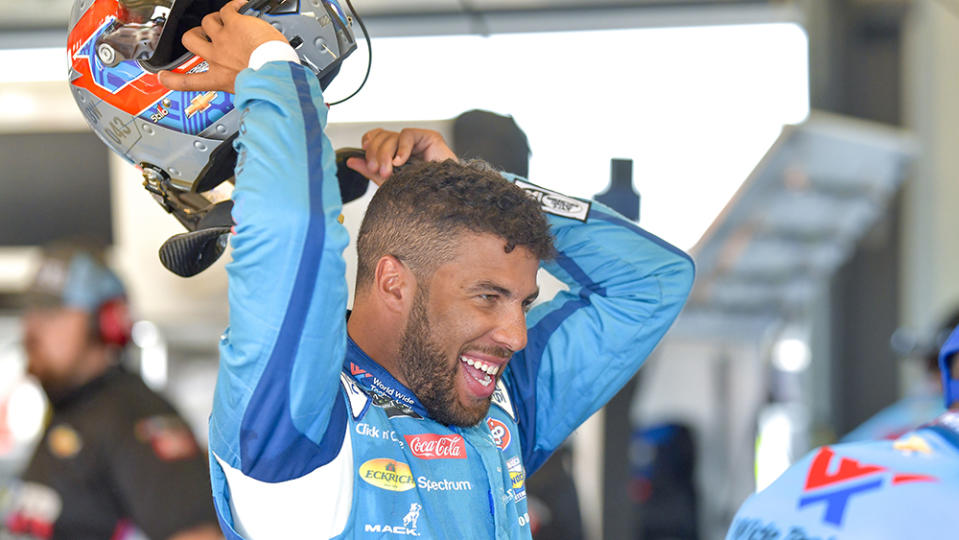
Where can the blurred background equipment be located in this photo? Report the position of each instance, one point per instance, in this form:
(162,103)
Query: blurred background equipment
(663,482)
(620,195)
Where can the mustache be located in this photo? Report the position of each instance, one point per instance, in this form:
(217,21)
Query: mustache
(499,352)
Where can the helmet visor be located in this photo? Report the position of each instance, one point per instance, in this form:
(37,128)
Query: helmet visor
(135,32)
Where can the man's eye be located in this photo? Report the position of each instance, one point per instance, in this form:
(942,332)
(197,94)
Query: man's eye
(488,297)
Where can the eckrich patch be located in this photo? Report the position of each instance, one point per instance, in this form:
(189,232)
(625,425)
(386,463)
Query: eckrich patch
(556,203)
(387,474)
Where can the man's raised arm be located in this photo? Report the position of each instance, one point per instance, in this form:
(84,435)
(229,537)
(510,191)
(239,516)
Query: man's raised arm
(626,286)
(276,413)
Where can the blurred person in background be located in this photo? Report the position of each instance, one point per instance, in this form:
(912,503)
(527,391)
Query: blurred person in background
(116,461)
(883,489)
(921,403)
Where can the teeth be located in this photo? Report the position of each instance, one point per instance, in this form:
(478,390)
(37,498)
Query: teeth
(489,369)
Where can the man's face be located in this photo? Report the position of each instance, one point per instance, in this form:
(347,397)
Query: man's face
(55,340)
(464,327)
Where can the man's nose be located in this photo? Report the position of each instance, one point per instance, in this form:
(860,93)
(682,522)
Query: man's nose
(511,332)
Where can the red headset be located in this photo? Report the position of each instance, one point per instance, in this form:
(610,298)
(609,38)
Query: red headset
(113,322)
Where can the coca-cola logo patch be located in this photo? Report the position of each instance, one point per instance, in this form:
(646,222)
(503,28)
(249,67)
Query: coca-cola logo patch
(434,446)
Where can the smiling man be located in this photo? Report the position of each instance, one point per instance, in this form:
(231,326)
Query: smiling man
(424,413)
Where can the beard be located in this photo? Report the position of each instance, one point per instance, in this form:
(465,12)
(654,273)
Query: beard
(429,373)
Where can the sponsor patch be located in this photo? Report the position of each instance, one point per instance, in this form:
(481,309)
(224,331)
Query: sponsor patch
(517,475)
(387,474)
(524,520)
(501,399)
(168,436)
(443,485)
(359,400)
(408,528)
(160,114)
(832,483)
(434,446)
(33,511)
(64,441)
(913,443)
(499,433)
(394,408)
(200,103)
(373,432)
(556,203)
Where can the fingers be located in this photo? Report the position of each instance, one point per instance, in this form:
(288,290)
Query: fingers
(212,24)
(359,165)
(407,140)
(193,82)
(380,146)
(197,42)
(388,149)
(232,9)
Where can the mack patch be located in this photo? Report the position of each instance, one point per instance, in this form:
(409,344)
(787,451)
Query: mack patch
(168,436)
(555,203)
(499,433)
(408,528)
(501,399)
(64,441)
(387,474)
(434,446)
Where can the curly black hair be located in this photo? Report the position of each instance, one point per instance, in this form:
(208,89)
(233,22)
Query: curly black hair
(419,213)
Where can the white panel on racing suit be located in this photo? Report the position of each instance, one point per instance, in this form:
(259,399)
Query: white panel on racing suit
(305,507)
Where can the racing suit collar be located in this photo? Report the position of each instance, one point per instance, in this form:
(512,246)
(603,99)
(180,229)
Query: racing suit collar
(374,377)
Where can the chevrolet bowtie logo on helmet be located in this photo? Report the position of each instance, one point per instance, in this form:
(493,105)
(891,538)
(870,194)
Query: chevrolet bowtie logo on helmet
(182,141)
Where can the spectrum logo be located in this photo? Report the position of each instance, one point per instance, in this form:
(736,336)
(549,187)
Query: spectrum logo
(433,446)
(388,474)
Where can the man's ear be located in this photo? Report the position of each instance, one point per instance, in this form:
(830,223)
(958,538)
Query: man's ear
(394,284)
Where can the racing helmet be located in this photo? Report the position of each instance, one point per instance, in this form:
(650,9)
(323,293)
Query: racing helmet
(182,141)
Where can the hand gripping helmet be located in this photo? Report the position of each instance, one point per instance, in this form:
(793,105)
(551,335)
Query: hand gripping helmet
(181,141)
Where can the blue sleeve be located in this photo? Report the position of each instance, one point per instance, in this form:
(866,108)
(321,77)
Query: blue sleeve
(626,287)
(277,411)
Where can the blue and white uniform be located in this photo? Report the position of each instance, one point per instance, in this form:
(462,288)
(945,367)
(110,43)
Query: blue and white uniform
(907,488)
(310,438)
(876,490)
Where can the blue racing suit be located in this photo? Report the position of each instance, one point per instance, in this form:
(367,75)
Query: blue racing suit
(310,438)
(876,490)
